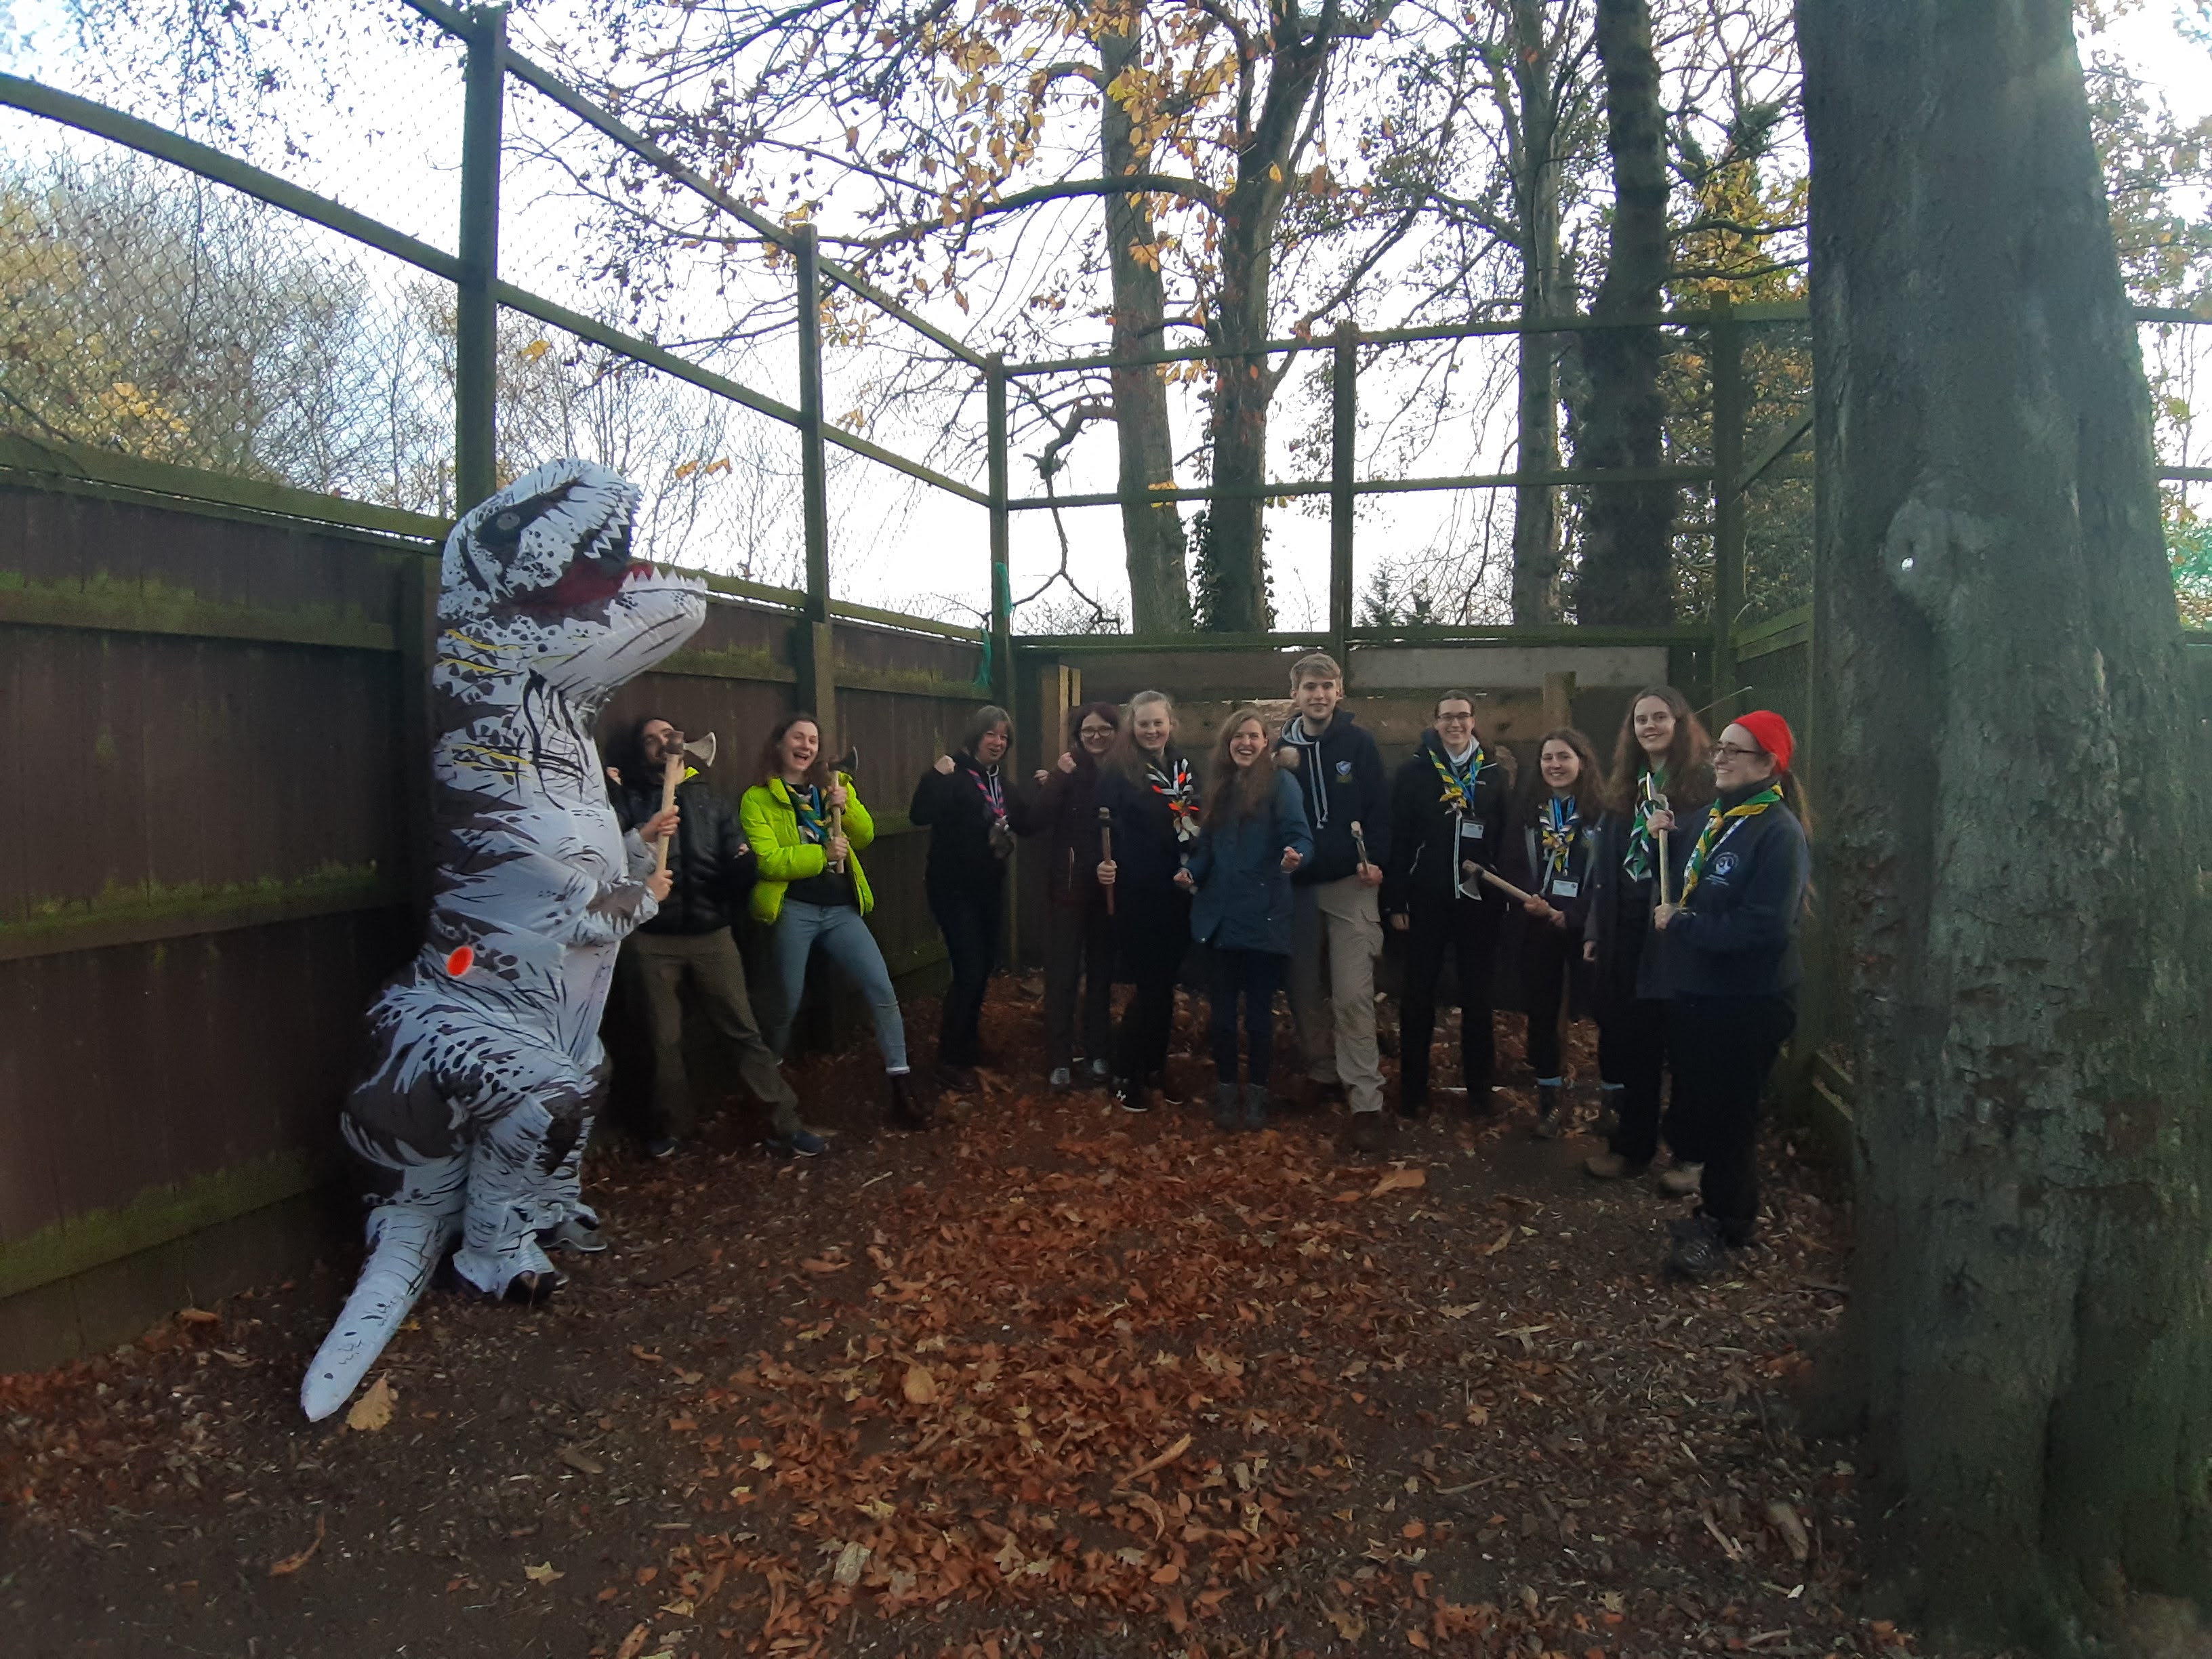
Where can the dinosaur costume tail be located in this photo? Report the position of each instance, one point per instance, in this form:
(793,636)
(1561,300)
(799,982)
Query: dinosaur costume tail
(406,1246)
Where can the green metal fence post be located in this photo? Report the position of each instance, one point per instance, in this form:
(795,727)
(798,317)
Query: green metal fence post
(1002,587)
(1343,471)
(1727,345)
(476,343)
(818,682)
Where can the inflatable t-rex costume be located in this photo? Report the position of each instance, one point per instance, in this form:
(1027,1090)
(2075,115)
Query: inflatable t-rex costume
(484,1065)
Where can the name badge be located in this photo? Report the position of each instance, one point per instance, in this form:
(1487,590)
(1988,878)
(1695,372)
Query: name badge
(1470,829)
(1567,888)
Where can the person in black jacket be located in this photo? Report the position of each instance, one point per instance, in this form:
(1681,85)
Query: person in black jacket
(1661,778)
(1335,918)
(1733,967)
(711,869)
(1150,787)
(1450,808)
(973,813)
(1555,852)
(1079,934)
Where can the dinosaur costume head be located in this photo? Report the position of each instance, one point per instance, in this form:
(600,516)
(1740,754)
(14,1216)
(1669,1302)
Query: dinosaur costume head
(539,579)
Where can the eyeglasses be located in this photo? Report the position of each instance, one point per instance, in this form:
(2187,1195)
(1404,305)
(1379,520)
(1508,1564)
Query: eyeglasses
(1454,719)
(1737,750)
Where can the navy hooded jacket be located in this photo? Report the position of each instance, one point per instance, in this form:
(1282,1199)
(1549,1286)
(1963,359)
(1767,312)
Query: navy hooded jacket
(1243,895)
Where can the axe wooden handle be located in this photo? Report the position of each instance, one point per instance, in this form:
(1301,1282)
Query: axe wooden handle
(1106,847)
(1666,872)
(837,829)
(672,774)
(1499,882)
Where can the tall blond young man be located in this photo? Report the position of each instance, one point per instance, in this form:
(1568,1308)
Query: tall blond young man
(1336,923)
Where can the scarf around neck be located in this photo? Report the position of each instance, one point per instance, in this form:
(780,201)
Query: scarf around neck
(1720,824)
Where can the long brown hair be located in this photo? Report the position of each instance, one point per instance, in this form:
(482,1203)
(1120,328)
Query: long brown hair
(1125,756)
(1235,793)
(1590,782)
(770,764)
(1689,760)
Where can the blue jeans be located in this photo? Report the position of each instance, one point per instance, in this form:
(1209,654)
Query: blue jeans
(838,929)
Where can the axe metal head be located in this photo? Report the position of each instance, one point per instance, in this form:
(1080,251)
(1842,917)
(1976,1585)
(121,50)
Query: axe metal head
(701,750)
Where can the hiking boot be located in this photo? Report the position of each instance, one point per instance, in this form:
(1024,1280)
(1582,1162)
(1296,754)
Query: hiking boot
(799,1143)
(1550,1120)
(1255,1106)
(586,1237)
(1683,1181)
(908,1110)
(1699,1252)
(1226,1107)
(1611,1166)
(1061,1078)
(1133,1094)
(662,1146)
(1369,1133)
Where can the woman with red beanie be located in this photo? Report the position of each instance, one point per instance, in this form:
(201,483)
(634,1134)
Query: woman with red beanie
(1732,969)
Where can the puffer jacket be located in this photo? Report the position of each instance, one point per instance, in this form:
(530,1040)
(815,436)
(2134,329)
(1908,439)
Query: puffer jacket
(784,854)
(1244,892)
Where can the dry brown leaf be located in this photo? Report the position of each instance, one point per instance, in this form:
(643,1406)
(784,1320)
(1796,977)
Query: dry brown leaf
(292,1564)
(1180,1446)
(373,1411)
(815,1264)
(1168,1574)
(543,1573)
(1350,1626)
(1399,1181)
(1783,1519)
(634,1643)
(1500,1242)
(582,1461)
(198,1317)
(852,1560)
(920,1386)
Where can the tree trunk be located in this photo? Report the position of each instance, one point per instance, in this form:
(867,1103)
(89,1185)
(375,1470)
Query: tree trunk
(2016,840)
(1536,547)
(1153,533)
(1628,530)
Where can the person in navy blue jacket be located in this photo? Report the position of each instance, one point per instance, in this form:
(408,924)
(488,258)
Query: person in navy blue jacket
(1732,969)
(1254,835)
(1559,821)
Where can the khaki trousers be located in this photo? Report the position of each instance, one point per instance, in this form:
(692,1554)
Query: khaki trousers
(717,974)
(1336,931)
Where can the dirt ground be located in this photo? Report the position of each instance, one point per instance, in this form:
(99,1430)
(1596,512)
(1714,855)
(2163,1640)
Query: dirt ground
(1050,1380)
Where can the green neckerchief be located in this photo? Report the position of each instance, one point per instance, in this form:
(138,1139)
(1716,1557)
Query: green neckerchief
(1638,860)
(1458,784)
(806,804)
(1719,826)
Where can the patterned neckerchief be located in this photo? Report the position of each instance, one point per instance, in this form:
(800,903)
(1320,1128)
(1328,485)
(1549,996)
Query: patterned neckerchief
(993,792)
(806,806)
(1171,779)
(1458,780)
(1719,826)
(1561,828)
(1637,860)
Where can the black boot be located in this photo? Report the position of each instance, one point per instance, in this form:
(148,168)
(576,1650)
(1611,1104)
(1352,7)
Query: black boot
(908,1110)
(1227,1106)
(1548,1124)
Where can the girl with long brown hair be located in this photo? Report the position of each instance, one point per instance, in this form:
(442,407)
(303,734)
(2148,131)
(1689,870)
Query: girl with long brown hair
(1558,815)
(1149,788)
(1662,766)
(1079,934)
(1254,835)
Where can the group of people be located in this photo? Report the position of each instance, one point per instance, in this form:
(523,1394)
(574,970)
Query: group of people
(1665,895)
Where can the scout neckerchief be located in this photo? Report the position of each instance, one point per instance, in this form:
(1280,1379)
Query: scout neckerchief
(1561,827)
(1309,777)
(995,796)
(1719,826)
(1171,779)
(807,806)
(1458,780)
(1638,862)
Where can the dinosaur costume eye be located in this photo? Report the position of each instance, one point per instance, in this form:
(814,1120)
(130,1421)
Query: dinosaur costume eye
(508,520)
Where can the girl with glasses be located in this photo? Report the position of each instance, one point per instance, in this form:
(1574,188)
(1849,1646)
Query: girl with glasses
(1733,966)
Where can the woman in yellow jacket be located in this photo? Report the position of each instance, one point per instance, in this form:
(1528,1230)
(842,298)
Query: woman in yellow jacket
(812,890)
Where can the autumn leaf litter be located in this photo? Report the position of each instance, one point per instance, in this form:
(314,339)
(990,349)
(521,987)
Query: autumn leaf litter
(1051,1380)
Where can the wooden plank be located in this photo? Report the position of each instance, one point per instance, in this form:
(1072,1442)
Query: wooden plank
(148,916)
(104,605)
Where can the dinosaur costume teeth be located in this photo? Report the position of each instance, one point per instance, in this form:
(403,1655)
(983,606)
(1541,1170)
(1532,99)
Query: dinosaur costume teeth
(484,1068)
